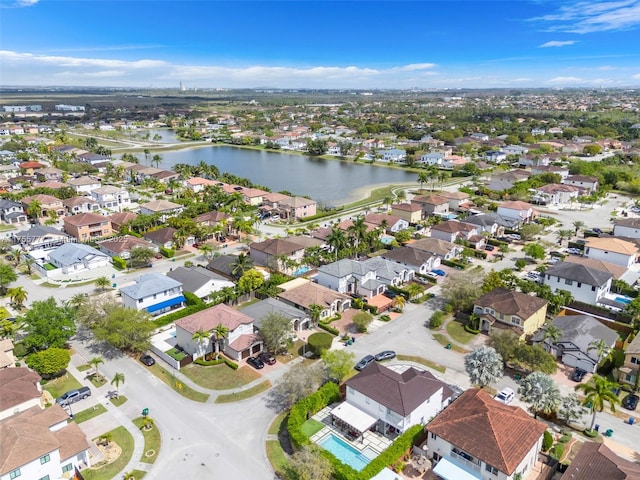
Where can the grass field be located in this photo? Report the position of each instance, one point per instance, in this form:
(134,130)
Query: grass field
(275,426)
(62,385)
(444,341)
(119,400)
(177,385)
(276,456)
(457,332)
(89,413)
(152,441)
(109,471)
(244,394)
(422,361)
(220,377)
(310,427)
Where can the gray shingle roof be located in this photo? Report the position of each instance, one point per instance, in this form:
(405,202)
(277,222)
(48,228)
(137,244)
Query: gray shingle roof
(72,253)
(149,284)
(409,256)
(261,309)
(194,278)
(579,273)
(38,231)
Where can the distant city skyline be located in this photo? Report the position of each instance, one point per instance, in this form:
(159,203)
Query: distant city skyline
(320,44)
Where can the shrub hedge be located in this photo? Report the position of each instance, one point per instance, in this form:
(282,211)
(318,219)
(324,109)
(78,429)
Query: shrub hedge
(328,328)
(172,317)
(455,264)
(119,263)
(167,252)
(327,394)
(192,299)
(320,341)
(547,441)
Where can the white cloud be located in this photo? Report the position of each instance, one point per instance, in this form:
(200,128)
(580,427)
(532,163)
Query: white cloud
(19,4)
(636,76)
(557,43)
(600,16)
(565,80)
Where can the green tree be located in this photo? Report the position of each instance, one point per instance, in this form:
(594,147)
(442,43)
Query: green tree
(47,325)
(242,264)
(50,361)
(102,283)
(540,392)
(483,365)
(339,363)
(34,210)
(600,347)
(156,160)
(598,392)
(570,409)
(423,177)
(18,296)
(95,362)
(117,380)
(529,231)
(250,281)
(308,464)
(201,338)
(299,382)
(8,329)
(552,333)
(577,225)
(7,276)
(563,234)
(362,320)
(276,331)
(398,302)
(140,256)
(534,250)
(315,311)
(415,290)
(461,289)
(220,334)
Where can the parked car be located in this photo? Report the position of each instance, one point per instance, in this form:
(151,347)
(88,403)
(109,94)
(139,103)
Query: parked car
(390,294)
(255,362)
(439,272)
(578,375)
(630,402)
(268,358)
(574,251)
(597,230)
(432,275)
(489,248)
(158,256)
(506,395)
(505,239)
(386,355)
(148,360)
(195,245)
(364,362)
(72,396)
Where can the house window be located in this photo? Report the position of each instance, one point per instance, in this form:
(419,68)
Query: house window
(46,477)
(67,468)
(635,360)
(579,284)
(155,296)
(388,411)
(140,301)
(44,459)
(15,474)
(491,469)
(568,282)
(593,289)
(515,320)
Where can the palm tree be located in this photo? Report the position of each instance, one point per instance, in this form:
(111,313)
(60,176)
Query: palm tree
(118,379)
(206,250)
(423,177)
(95,362)
(157,160)
(242,264)
(315,311)
(577,225)
(34,210)
(601,348)
(102,283)
(18,255)
(18,296)
(77,301)
(415,289)
(553,334)
(220,333)
(201,337)
(503,249)
(337,239)
(398,302)
(28,261)
(563,234)
(598,392)
(401,195)
(140,256)
(358,231)
(484,366)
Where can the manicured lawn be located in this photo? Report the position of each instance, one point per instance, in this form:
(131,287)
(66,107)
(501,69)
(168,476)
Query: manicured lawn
(62,385)
(310,427)
(137,474)
(276,425)
(84,368)
(89,413)
(97,380)
(152,441)
(444,340)
(109,472)
(175,354)
(276,455)
(293,352)
(220,377)
(423,361)
(244,394)
(177,385)
(119,400)
(458,333)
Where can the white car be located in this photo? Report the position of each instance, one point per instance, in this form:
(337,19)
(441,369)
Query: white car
(506,396)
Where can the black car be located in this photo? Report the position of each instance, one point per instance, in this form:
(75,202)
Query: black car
(386,355)
(489,248)
(390,294)
(630,402)
(148,360)
(364,362)
(597,230)
(578,375)
(268,358)
(255,362)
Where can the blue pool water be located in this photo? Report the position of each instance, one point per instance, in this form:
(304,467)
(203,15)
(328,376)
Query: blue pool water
(626,300)
(300,271)
(345,452)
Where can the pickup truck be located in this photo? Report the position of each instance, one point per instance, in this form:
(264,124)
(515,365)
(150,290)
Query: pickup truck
(72,396)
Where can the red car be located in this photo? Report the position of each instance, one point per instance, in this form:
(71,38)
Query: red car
(267,358)
(158,256)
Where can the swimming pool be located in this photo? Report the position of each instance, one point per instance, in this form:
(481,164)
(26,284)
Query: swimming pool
(626,300)
(345,452)
(300,271)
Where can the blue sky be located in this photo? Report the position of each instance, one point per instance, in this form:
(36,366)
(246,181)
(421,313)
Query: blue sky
(326,44)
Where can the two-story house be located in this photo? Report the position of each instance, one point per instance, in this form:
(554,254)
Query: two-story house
(201,282)
(417,260)
(612,250)
(273,253)
(240,342)
(49,174)
(87,226)
(73,258)
(440,248)
(300,319)
(301,293)
(521,212)
(453,230)
(558,193)
(12,212)
(84,185)
(631,367)
(585,182)
(486,222)
(479,437)
(111,197)
(164,208)
(410,212)
(47,204)
(387,223)
(508,309)
(622,227)
(297,207)
(389,401)
(76,205)
(20,390)
(432,205)
(584,283)
(153,292)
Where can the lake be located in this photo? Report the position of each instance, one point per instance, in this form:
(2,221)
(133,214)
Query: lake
(330,182)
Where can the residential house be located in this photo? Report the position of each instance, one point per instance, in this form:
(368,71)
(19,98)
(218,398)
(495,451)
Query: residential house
(541,169)
(622,227)
(225,265)
(515,150)
(417,260)
(120,218)
(162,237)
(432,205)
(393,155)
(277,254)
(12,212)
(596,461)
(574,345)
(86,226)
(486,222)
(618,271)
(153,292)
(510,310)
(409,212)
(42,444)
(558,193)
(30,168)
(19,391)
(300,319)
(50,184)
(454,161)
(201,282)
(388,223)
(198,184)
(504,445)
(302,293)
(74,258)
(47,203)
(458,201)
(531,160)
(163,208)
(390,402)
(297,207)
(111,197)
(518,211)
(40,237)
(613,250)
(76,205)
(504,181)
(84,185)
(585,182)
(495,156)
(241,341)
(123,246)
(585,284)
(432,158)
(49,174)
(453,230)
(7,358)
(440,248)
(631,367)
(213,218)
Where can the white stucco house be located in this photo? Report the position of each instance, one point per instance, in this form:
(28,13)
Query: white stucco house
(584,283)
(627,227)
(111,197)
(519,211)
(612,250)
(153,292)
(417,260)
(77,257)
(201,282)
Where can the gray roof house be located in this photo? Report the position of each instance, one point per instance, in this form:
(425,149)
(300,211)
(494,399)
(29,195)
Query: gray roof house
(41,236)
(153,292)
(417,260)
(12,212)
(224,265)
(201,282)
(76,257)
(299,318)
(585,284)
(577,334)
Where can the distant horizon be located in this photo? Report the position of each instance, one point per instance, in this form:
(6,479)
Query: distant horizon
(320,45)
